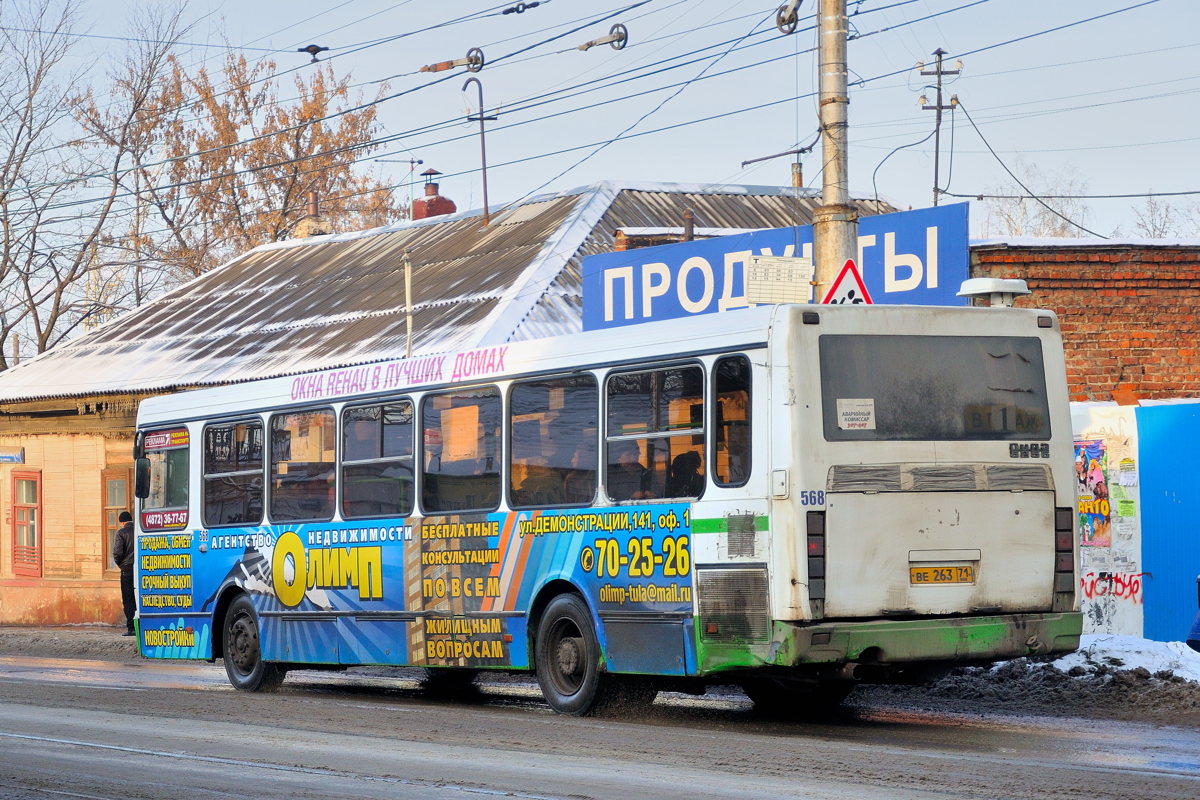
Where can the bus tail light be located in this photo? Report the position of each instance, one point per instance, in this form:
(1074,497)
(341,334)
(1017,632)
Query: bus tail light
(1064,559)
(815,534)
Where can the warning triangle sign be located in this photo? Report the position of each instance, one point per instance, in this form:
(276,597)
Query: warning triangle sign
(848,288)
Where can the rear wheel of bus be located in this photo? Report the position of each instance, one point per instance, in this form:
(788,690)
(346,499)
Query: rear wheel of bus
(567,654)
(243,651)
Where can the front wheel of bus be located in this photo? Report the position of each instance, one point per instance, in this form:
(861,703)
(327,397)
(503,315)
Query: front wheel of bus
(568,656)
(243,651)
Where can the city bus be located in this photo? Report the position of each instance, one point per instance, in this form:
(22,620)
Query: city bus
(788,498)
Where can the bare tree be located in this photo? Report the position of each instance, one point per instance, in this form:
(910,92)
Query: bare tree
(119,139)
(35,105)
(1035,203)
(242,162)
(66,165)
(115,186)
(1156,219)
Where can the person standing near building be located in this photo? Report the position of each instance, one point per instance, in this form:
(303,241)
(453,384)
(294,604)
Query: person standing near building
(123,552)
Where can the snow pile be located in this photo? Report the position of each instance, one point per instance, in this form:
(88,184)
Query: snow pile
(1105,652)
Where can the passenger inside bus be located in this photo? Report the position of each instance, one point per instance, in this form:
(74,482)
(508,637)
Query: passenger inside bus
(362,440)
(542,486)
(627,478)
(684,478)
(579,483)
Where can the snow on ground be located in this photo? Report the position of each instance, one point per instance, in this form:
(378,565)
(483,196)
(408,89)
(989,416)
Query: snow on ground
(1131,652)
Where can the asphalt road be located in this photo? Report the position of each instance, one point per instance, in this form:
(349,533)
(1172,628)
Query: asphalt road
(100,729)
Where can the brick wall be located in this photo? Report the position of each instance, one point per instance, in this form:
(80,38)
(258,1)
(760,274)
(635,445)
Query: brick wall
(1130,314)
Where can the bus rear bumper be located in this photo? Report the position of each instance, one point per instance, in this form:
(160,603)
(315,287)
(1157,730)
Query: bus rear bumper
(954,639)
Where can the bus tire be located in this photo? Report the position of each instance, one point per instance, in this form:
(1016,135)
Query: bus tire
(243,651)
(567,656)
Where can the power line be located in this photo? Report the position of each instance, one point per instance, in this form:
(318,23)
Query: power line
(134,39)
(649,113)
(386,139)
(1031,194)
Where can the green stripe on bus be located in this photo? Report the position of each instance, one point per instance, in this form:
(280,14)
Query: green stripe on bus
(721,524)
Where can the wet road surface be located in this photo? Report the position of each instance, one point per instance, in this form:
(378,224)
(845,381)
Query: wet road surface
(151,729)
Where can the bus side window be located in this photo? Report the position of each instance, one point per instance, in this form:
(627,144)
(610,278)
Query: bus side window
(731,388)
(233,474)
(377,460)
(302,465)
(654,434)
(552,435)
(460,460)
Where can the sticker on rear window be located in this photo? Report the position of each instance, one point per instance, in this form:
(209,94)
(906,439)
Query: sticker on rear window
(855,414)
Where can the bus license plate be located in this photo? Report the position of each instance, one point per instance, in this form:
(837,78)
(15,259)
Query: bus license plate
(926,575)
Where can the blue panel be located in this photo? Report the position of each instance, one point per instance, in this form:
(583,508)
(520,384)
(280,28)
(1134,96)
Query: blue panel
(652,647)
(368,641)
(1170,495)
(915,257)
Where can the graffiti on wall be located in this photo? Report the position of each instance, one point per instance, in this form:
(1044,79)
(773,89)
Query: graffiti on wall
(1103,592)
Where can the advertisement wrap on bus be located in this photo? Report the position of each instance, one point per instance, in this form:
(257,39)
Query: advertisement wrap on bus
(467,576)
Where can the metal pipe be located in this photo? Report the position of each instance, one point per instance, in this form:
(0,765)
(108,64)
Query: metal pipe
(482,143)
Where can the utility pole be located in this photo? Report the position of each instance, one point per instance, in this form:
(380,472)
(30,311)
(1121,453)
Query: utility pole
(835,222)
(938,107)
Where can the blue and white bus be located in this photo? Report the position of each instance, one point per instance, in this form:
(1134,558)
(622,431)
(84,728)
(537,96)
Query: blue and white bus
(791,498)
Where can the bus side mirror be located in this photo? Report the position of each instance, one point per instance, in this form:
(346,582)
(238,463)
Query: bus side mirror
(139,445)
(141,477)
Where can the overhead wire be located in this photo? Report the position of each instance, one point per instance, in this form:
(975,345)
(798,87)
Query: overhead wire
(340,113)
(742,111)
(1031,194)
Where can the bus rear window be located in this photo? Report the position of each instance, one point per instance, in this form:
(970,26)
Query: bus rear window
(933,388)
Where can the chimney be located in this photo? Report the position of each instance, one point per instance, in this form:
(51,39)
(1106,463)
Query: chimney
(432,204)
(312,224)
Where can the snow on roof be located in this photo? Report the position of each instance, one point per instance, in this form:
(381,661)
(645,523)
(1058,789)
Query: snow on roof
(339,300)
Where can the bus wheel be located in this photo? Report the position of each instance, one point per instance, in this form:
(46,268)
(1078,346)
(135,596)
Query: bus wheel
(568,656)
(783,698)
(243,653)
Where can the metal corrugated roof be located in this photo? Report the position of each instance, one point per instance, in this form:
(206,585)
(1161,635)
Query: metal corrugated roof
(335,301)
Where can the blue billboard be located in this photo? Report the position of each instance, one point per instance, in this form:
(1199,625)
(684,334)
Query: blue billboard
(912,257)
